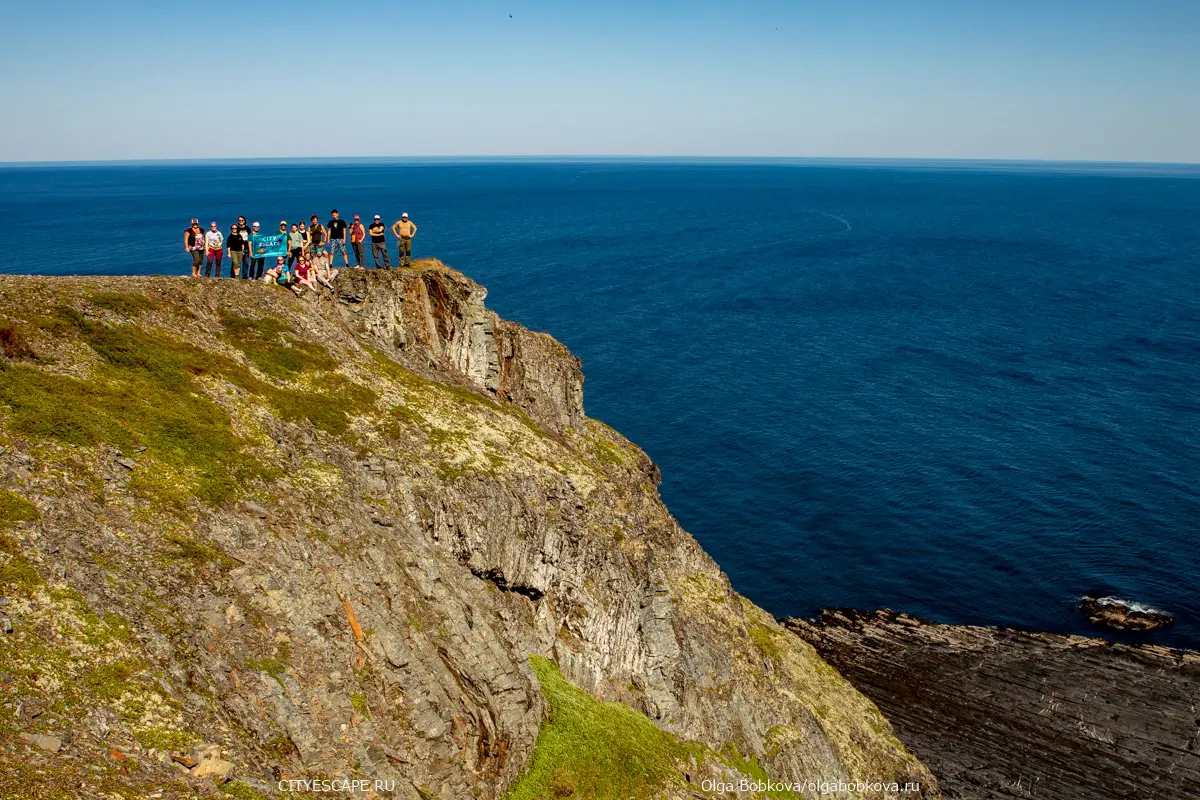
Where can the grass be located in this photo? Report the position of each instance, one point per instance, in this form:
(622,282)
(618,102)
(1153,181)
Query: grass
(13,343)
(18,577)
(15,509)
(592,749)
(146,392)
(240,791)
(110,681)
(764,640)
(127,305)
(197,551)
(265,343)
(272,666)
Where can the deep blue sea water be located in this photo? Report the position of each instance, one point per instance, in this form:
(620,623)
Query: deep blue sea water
(967,391)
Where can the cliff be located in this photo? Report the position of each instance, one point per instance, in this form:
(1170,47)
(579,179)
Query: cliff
(1001,713)
(372,536)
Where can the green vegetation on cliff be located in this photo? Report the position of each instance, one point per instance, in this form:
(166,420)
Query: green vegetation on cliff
(592,749)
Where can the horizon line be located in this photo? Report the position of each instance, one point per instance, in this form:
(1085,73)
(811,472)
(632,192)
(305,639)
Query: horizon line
(584,158)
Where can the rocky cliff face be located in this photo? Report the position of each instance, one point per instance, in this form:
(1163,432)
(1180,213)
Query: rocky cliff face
(370,536)
(1003,714)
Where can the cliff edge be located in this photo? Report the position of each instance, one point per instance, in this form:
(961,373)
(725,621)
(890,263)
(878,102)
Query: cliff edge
(247,538)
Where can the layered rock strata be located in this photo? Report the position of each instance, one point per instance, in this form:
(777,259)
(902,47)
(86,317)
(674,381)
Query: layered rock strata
(1008,714)
(325,536)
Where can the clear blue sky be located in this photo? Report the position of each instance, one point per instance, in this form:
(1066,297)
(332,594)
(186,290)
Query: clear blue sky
(1051,79)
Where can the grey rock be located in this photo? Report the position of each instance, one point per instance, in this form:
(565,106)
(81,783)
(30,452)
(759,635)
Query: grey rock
(553,541)
(216,769)
(50,743)
(1001,713)
(254,509)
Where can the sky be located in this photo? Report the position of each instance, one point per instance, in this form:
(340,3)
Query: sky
(1101,80)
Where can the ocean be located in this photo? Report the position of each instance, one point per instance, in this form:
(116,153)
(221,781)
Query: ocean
(968,391)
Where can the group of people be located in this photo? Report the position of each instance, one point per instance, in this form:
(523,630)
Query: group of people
(305,253)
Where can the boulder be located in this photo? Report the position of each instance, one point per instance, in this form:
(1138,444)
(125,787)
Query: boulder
(1110,612)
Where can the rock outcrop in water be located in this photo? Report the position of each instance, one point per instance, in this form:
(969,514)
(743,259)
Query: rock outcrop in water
(1111,612)
(1008,714)
(245,537)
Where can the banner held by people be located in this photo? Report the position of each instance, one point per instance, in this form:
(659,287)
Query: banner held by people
(268,245)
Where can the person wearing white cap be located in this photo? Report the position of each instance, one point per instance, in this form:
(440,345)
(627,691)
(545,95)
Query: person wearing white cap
(257,262)
(405,230)
(378,234)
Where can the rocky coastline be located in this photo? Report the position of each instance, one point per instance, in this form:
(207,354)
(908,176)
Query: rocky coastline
(999,713)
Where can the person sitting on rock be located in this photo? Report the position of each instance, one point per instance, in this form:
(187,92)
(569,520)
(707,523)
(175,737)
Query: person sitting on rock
(303,273)
(323,271)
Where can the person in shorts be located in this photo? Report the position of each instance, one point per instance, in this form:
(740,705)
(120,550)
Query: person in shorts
(336,228)
(322,271)
(316,237)
(358,234)
(235,243)
(303,272)
(193,243)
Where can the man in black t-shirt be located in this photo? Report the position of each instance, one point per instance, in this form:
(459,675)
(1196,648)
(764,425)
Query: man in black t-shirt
(378,234)
(244,229)
(337,238)
(316,236)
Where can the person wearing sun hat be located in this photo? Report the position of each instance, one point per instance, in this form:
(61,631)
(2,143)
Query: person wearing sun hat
(378,233)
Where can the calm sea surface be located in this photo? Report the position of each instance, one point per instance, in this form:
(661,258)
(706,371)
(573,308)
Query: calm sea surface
(971,392)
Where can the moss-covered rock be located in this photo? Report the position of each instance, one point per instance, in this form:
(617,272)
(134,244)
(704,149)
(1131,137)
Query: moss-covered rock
(327,535)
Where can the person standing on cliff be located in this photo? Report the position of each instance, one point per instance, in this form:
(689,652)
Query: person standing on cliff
(316,236)
(358,234)
(405,230)
(295,245)
(378,233)
(257,264)
(304,238)
(235,243)
(214,246)
(337,237)
(244,230)
(193,243)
